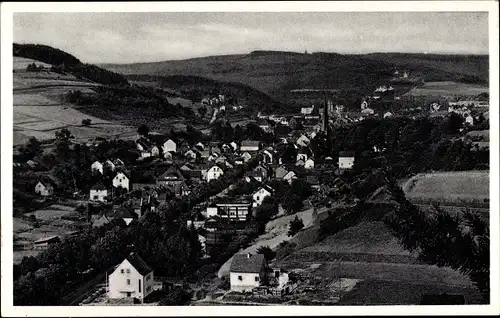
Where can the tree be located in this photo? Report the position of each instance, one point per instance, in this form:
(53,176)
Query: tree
(143,130)
(268,253)
(86,122)
(202,111)
(295,226)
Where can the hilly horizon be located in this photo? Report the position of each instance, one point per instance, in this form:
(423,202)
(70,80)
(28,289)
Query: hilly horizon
(277,72)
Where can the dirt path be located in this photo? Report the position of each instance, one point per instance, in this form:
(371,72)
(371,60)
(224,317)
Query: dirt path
(276,232)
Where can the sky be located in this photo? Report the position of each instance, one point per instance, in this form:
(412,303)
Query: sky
(157,36)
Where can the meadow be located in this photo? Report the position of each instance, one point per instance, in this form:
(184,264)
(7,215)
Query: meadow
(448,89)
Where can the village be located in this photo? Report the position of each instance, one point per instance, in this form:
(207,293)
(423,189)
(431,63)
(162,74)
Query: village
(273,167)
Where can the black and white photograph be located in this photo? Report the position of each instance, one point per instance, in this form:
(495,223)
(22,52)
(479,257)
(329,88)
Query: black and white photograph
(327,158)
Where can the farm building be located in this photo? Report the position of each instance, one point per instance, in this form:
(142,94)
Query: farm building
(44,243)
(132,278)
(121,180)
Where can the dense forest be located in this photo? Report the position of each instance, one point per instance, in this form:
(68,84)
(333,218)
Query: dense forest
(65,62)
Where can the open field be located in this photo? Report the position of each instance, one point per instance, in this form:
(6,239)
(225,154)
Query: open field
(448,89)
(463,188)
(371,241)
(50,224)
(21,63)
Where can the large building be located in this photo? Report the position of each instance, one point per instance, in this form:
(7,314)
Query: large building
(247,271)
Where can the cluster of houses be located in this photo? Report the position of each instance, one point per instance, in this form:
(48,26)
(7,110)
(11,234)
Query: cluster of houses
(466,109)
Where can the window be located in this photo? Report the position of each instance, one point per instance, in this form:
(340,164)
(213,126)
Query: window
(128,270)
(129,294)
(139,285)
(148,289)
(128,281)
(95,197)
(257,278)
(240,277)
(258,198)
(122,271)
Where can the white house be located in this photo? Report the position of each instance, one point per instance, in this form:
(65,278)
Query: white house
(307,110)
(290,176)
(346,159)
(259,196)
(190,154)
(234,145)
(169,145)
(214,173)
(98,192)
(303,141)
(267,156)
(44,189)
(132,278)
(155,151)
(246,156)
(111,166)
(387,115)
(121,180)
(247,271)
(97,166)
(200,145)
(469,120)
(309,164)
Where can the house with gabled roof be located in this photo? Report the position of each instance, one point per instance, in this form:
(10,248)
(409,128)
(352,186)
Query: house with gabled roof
(110,165)
(121,180)
(191,154)
(132,278)
(309,164)
(234,145)
(290,176)
(280,172)
(214,172)
(125,212)
(169,146)
(98,192)
(261,193)
(246,156)
(247,271)
(97,166)
(103,220)
(303,141)
(267,156)
(346,159)
(44,188)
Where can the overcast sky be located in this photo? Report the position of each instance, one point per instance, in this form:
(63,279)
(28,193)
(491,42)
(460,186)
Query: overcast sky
(146,37)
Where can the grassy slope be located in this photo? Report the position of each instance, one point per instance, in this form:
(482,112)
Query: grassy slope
(275,73)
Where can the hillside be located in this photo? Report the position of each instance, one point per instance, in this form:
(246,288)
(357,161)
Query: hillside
(276,73)
(196,87)
(53,89)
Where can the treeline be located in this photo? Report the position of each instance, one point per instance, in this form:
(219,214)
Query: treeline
(410,146)
(459,241)
(65,62)
(134,103)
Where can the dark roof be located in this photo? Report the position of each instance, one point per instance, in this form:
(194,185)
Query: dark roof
(98,186)
(171,172)
(139,264)
(241,263)
(346,153)
(249,143)
(124,211)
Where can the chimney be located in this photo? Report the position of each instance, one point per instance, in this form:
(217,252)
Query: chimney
(249,255)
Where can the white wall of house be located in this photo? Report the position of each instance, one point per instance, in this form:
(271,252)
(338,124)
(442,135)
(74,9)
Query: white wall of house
(155,151)
(469,120)
(98,195)
(303,141)
(97,166)
(169,145)
(127,220)
(301,156)
(290,176)
(43,190)
(309,164)
(126,281)
(211,211)
(214,173)
(259,196)
(249,148)
(121,180)
(244,281)
(346,162)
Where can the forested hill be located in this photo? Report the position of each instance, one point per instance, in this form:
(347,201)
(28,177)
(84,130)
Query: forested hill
(276,73)
(65,62)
